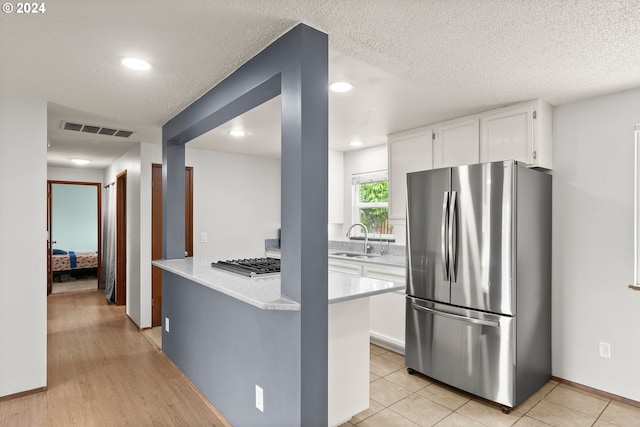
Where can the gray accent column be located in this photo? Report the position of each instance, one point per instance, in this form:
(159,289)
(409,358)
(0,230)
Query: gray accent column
(304,214)
(295,66)
(172,199)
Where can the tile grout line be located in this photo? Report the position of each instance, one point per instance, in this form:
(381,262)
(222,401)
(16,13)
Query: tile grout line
(602,412)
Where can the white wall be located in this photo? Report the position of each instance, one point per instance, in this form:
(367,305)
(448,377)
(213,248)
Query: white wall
(137,163)
(23,287)
(236,201)
(77,174)
(593,243)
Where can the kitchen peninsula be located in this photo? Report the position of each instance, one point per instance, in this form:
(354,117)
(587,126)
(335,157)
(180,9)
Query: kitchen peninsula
(196,334)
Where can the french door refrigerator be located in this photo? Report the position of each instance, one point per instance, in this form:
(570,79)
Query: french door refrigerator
(478,314)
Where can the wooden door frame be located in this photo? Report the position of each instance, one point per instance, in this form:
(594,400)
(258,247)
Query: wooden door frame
(188,211)
(121,238)
(50,183)
(156,239)
(49,250)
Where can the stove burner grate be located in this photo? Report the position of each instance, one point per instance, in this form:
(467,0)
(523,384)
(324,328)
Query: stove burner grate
(251,267)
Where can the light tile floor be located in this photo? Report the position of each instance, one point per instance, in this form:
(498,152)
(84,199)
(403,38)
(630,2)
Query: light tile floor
(399,399)
(154,335)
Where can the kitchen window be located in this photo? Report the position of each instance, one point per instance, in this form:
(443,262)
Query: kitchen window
(370,203)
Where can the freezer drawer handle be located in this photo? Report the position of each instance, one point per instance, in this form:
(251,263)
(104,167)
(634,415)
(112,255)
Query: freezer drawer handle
(491,323)
(443,236)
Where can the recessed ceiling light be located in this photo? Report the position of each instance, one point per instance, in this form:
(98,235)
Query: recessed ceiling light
(237,132)
(340,86)
(135,63)
(81,161)
(355,143)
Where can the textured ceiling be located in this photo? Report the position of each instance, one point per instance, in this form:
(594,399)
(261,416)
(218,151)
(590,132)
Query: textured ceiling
(415,62)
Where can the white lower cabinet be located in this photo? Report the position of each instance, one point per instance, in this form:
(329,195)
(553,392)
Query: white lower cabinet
(347,267)
(386,311)
(348,357)
(387,319)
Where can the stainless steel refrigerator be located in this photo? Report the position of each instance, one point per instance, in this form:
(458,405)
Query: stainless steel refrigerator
(479,279)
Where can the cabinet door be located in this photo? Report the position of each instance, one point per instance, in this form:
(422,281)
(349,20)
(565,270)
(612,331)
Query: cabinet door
(387,315)
(508,135)
(387,318)
(347,267)
(457,144)
(407,153)
(384,272)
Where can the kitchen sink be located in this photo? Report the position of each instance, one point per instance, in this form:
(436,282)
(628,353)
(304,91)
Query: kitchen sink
(356,255)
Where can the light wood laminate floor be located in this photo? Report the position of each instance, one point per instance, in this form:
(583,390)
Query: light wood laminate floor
(103,372)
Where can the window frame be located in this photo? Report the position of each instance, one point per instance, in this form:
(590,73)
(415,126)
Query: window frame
(366,178)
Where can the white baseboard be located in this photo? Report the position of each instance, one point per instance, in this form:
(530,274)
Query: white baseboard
(387,342)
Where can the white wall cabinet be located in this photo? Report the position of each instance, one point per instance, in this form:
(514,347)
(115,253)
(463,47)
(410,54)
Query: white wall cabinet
(521,132)
(336,187)
(457,143)
(409,151)
(387,311)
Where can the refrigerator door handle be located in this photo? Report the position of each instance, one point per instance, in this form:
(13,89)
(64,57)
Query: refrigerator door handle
(492,323)
(453,236)
(443,236)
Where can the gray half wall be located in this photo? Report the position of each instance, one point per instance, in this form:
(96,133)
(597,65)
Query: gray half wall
(227,347)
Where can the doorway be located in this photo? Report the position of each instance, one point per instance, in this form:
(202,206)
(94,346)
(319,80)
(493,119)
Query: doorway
(156,233)
(121,238)
(74,235)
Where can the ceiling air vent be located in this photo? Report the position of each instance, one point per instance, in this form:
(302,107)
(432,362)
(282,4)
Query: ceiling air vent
(78,127)
(90,129)
(124,133)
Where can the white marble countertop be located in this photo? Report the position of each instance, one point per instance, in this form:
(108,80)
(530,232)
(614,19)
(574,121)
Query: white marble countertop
(344,287)
(264,292)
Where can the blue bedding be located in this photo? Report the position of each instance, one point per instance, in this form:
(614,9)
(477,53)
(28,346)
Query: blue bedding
(72,259)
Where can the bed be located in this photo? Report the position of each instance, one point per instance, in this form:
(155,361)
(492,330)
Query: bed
(71,261)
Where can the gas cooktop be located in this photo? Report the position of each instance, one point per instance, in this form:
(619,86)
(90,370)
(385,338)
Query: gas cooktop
(251,267)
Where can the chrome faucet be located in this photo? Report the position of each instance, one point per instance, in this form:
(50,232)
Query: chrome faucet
(366,235)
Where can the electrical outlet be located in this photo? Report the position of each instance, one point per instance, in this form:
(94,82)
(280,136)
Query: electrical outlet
(259,398)
(605,350)
(203,237)
(166,324)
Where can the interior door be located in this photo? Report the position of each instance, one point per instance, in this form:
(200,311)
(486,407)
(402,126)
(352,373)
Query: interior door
(428,199)
(483,209)
(156,234)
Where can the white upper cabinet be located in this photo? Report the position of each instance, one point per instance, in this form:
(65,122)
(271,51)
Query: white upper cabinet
(336,187)
(521,132)
(456,143)
(409,151)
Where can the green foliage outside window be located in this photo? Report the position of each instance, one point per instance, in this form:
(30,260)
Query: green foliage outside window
(374,192)
(375,218)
